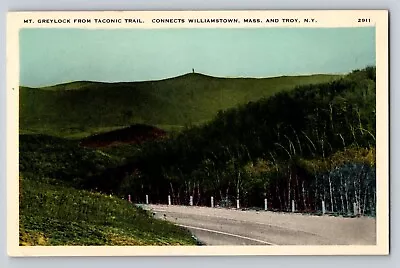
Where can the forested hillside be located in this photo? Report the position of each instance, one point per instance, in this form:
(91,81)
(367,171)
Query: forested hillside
(314,143)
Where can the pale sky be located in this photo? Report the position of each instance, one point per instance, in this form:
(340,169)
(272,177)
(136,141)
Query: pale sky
(52,56)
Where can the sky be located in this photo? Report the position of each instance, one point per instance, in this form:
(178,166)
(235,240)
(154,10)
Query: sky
(53,56)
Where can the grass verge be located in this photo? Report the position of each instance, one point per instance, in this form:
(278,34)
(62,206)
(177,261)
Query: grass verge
(57,215)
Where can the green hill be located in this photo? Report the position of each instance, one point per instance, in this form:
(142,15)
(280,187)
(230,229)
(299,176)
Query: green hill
(79,109)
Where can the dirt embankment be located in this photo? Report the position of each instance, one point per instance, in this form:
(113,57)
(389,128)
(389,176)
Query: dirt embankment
(134,134)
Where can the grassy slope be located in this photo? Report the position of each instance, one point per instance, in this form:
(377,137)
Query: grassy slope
(79,109)
(56,215)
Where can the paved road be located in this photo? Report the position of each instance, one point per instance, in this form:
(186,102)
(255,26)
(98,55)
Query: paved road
(217,226)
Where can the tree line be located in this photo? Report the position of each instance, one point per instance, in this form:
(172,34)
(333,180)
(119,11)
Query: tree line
(310,144)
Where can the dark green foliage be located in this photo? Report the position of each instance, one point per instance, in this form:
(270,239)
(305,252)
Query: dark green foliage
(310,122)
(60,160)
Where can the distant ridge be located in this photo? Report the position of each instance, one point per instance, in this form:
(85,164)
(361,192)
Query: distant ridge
(73,85)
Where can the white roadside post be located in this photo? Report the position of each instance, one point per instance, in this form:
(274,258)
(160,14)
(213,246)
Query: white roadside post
(237,204)
(323,207)
(129,198)
(265,204)
(293,208)
(169,200)
(212,201)
(147,199)
(355,208)
(191,201)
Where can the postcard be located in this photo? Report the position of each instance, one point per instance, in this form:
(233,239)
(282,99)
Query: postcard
(177,133)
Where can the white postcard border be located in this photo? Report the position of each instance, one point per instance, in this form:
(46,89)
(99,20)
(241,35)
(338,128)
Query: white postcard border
(325,18)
